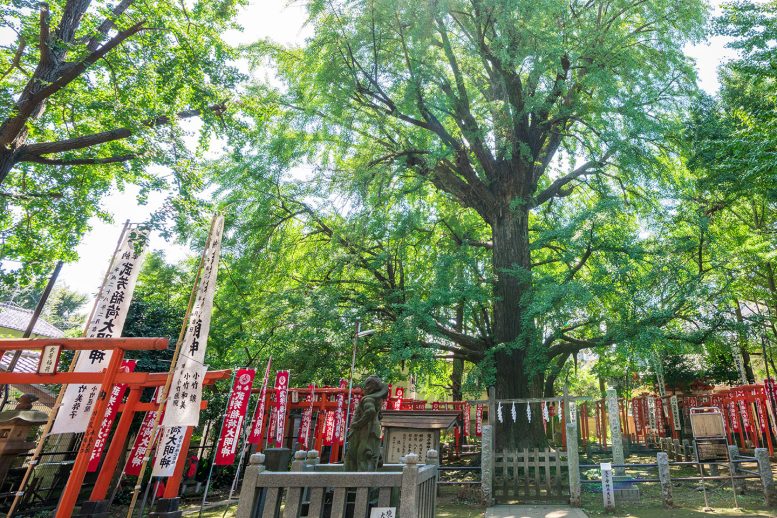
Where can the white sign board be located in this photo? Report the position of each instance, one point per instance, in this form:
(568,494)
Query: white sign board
(383,512)
(401,441)
(49,359)
(608,491)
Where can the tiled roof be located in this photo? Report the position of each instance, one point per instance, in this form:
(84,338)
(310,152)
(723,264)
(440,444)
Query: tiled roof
(14,317)
(28,361)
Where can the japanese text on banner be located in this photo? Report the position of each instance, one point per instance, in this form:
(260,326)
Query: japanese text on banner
(114,400)
(303,436)
(183,405)
(107,322)
(167,451)
(232,426)
(340,413)
(281,403)
(255,436)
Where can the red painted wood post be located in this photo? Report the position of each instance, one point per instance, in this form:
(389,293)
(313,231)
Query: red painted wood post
(74,482)
(108,468)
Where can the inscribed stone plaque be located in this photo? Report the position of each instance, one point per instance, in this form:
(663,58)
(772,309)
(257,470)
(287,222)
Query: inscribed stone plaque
(401,441)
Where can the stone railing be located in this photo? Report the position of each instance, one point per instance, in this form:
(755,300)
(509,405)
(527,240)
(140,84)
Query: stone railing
(316,490)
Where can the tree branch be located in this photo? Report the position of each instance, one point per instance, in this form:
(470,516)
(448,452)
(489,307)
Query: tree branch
(469,342)
(33,152)
(556,189)
(79,161)
(107,24)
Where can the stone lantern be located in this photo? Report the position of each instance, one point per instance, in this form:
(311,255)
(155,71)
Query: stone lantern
(17,428)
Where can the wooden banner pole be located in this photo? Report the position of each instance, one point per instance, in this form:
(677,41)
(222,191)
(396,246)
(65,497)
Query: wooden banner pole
(173,362)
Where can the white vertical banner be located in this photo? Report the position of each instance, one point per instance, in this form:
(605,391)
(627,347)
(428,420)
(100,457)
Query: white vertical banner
(675,412)
(183,401)
(651,412)
(167,451)
(608,490)
(107,322)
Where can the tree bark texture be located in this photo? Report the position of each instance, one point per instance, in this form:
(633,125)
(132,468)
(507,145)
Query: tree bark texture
(512,293)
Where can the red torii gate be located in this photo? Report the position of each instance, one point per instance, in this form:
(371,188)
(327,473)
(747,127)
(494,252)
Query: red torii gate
(326,401)
(110,376)
(128,409)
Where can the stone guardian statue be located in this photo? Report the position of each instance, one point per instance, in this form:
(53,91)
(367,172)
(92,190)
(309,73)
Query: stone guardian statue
(362,452)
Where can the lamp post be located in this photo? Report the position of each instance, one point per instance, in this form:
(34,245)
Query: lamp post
(356,335)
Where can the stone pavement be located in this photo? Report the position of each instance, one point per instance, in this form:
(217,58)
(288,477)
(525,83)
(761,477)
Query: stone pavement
(534,511)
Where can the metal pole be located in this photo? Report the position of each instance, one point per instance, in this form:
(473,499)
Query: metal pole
(216,448)
(145,495)
(350,387)
(246,431)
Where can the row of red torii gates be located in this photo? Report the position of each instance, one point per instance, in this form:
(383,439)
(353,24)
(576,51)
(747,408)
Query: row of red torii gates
(748,410)
(113,375)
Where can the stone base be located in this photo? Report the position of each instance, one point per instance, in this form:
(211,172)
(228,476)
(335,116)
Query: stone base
(625,490)
(167,508)
(190,488)
(93,509)
(630,494)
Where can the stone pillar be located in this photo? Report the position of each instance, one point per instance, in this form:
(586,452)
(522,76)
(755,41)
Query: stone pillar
(573,463)
(662,460)
(767,479)
(408,506)
(739,484)
(487,464)
(433,457)
(615,431)
(298,464)
(312,459)
(687,452)
(248,489)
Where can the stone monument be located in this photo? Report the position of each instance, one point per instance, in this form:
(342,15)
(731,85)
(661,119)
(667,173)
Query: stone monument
(362,451)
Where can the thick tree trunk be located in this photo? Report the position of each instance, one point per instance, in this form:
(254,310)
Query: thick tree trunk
(512,290)
(6,163)
(456,378)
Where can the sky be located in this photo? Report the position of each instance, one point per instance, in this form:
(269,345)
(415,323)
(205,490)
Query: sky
(283,23)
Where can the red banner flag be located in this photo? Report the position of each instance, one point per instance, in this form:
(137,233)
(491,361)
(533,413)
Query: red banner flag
(479,420)
(114,400)
(142,442)
(732,412)
(255,436)
(329,428)
(234,417)
(467,417)
(281,403)
(660,423)
(400,394)
(303,436)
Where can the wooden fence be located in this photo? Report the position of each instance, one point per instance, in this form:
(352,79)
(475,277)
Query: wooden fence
(316,490)
(530,475)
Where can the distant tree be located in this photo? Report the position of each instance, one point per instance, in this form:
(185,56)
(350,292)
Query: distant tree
(65,308)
